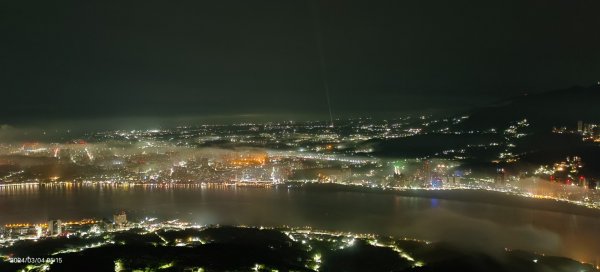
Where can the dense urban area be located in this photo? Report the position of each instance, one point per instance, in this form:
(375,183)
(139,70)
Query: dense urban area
(411,153)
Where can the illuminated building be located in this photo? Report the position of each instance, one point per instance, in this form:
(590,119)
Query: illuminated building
(54,227)
(120,219)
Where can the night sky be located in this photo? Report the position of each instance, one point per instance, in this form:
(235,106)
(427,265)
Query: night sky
(101,59)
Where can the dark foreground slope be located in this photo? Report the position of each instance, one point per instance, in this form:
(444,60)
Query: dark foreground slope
(246,249)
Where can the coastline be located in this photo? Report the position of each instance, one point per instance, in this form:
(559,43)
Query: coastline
(467,195)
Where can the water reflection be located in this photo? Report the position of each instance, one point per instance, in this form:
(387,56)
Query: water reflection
(467,223)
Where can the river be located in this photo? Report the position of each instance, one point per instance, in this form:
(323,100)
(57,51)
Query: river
(465,221)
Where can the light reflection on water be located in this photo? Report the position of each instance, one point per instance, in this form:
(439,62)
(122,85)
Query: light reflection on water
(470,223)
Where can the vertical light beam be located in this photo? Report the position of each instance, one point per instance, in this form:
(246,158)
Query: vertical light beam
(322,63)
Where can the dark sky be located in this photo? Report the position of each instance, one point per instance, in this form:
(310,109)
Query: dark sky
(91,59)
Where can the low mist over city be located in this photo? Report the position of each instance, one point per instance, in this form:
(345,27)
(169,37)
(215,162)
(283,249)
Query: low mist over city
(313,135)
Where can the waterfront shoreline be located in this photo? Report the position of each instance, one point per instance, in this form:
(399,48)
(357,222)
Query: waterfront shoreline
(470,195)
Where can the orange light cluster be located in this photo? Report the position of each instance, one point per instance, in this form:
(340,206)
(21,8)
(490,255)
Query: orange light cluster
(251,159)
(82,222)
(17,225)
(24,225)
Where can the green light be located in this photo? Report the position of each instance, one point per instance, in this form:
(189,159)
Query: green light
(165,266)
